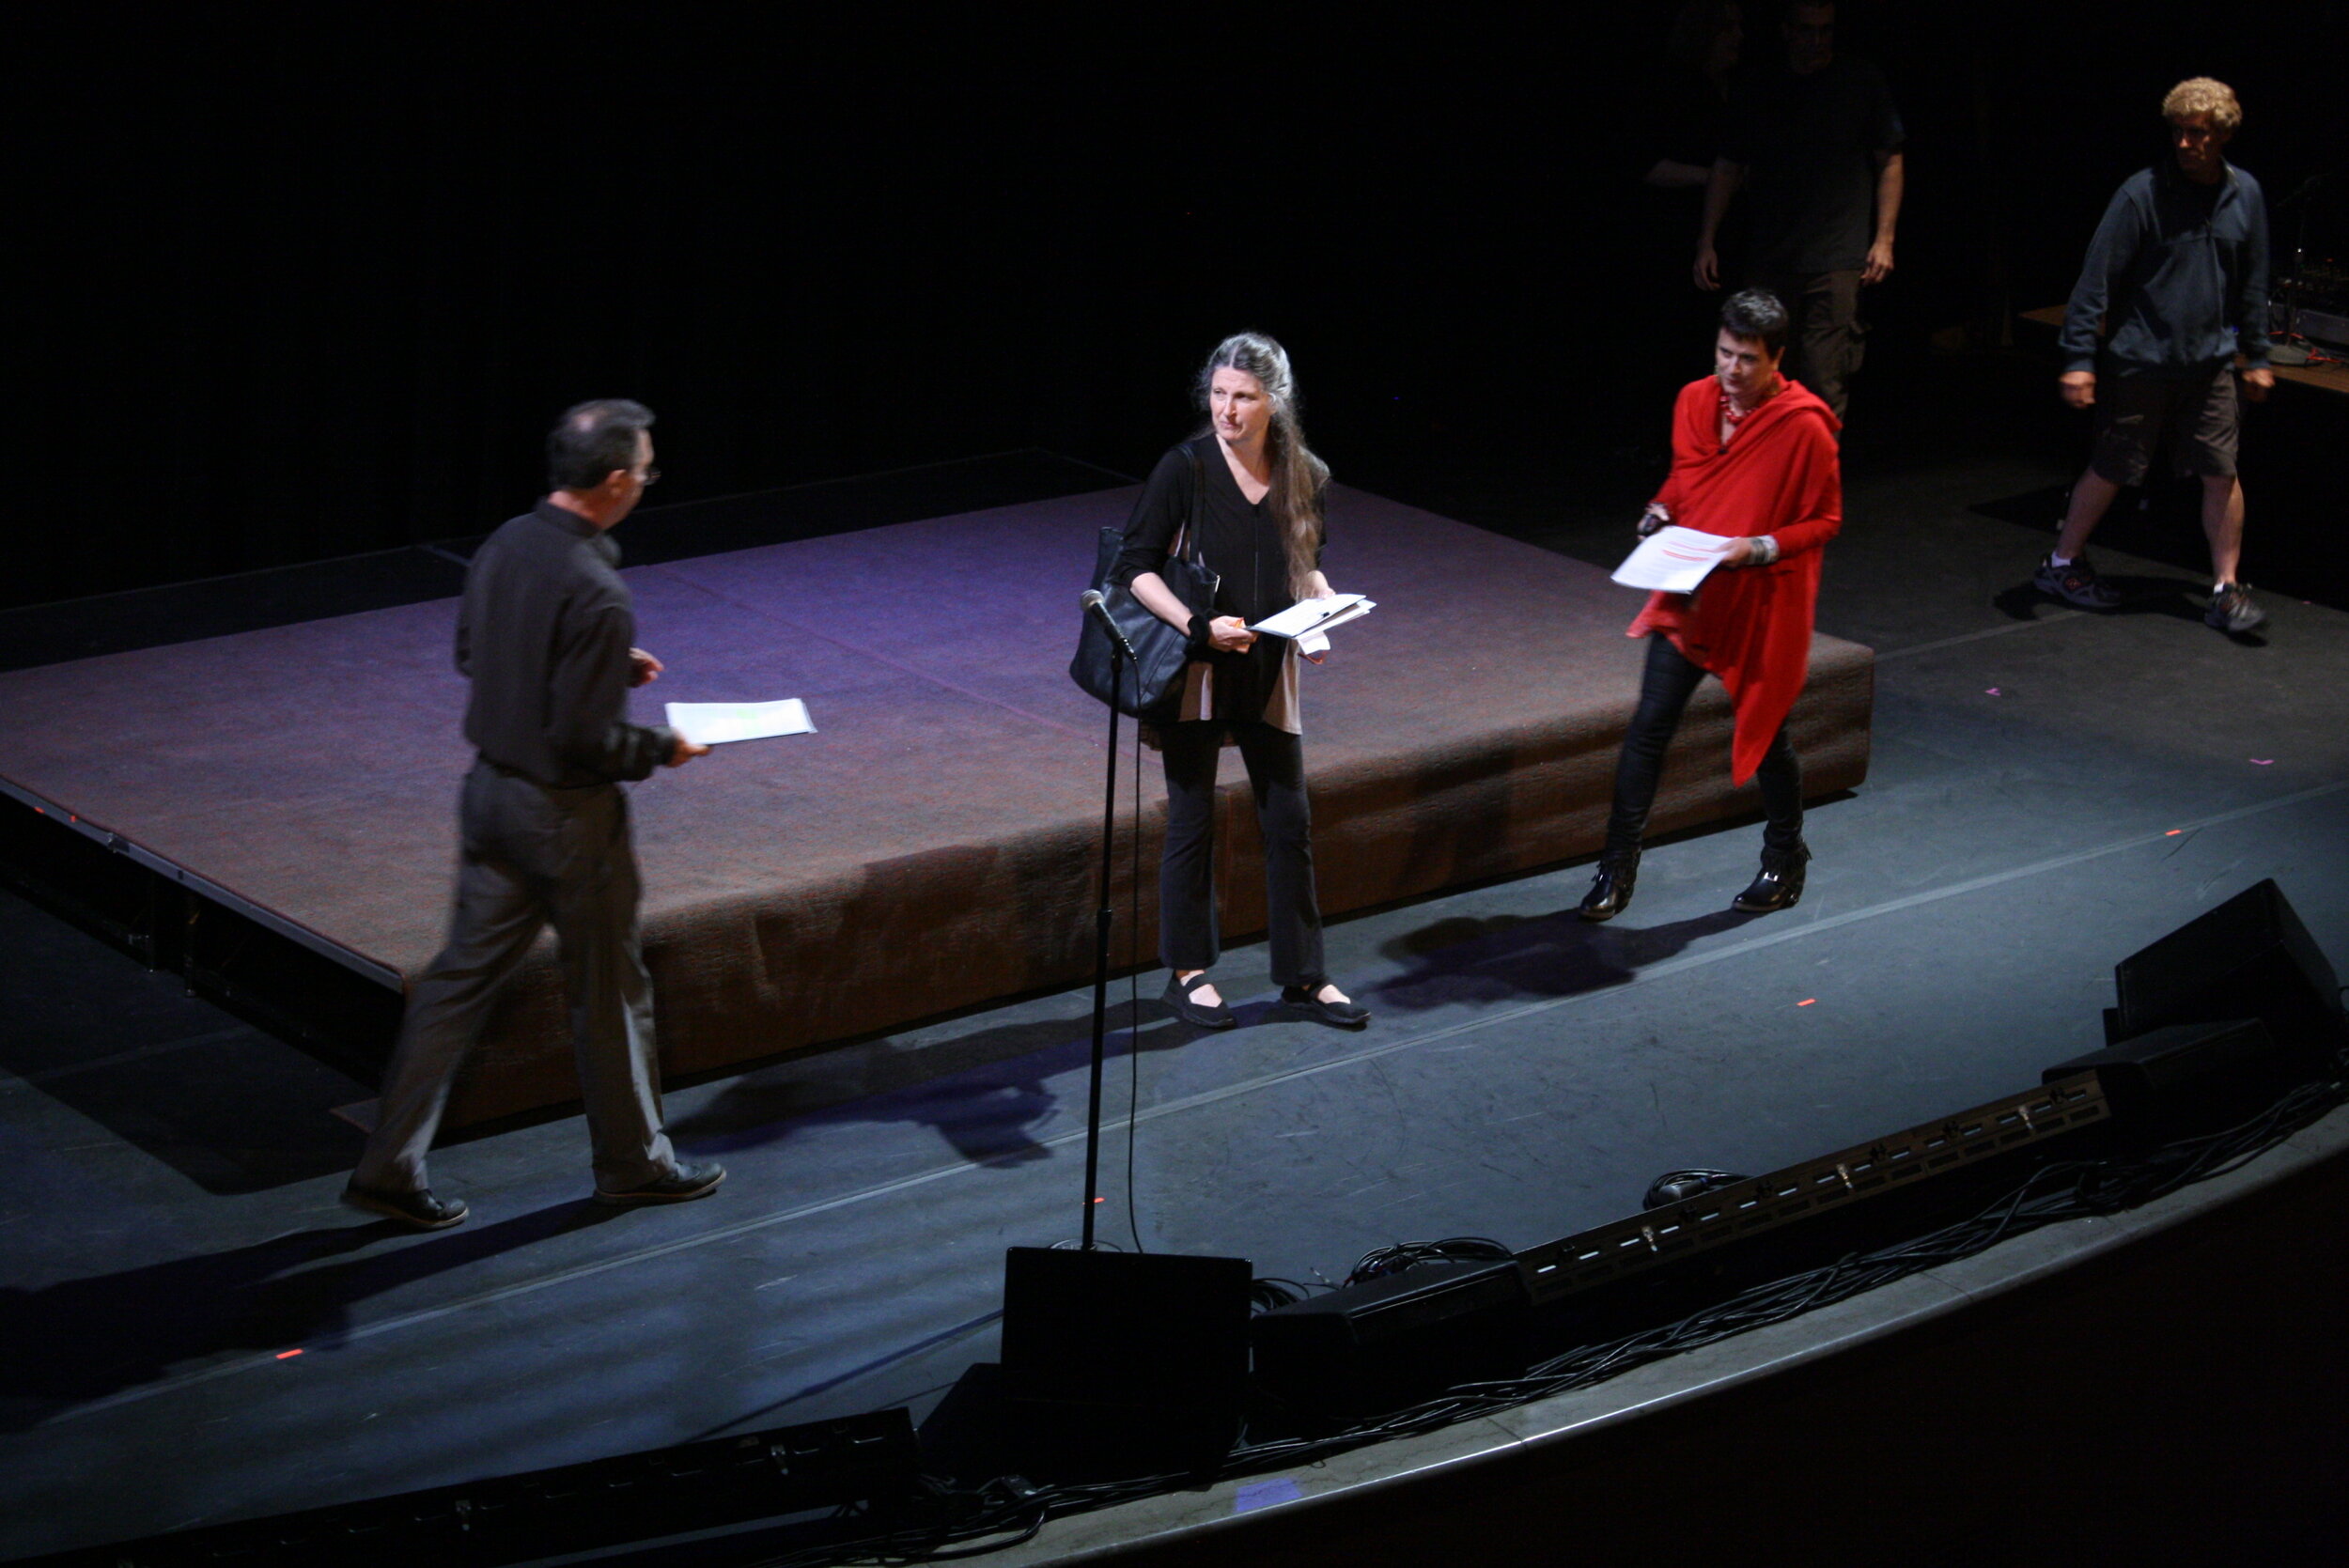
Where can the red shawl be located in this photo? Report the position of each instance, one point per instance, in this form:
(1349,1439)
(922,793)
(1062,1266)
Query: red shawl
(1779,474)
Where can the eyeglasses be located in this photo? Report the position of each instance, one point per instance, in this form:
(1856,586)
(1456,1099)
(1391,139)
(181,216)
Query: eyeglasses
(650,477)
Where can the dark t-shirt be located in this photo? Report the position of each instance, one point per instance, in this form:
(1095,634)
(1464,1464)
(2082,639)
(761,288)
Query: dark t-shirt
(1810,145)
(1240,542)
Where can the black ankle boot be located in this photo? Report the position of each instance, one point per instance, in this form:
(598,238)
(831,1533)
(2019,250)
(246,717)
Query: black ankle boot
(1610,889)
(1779,886)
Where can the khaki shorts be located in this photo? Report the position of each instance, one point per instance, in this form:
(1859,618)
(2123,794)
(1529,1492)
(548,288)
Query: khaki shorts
(2196,414)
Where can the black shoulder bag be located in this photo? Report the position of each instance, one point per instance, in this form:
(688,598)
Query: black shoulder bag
(1151,688)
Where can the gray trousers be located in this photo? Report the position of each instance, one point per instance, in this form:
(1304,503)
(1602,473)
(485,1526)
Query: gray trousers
(1825,336)
(532,856)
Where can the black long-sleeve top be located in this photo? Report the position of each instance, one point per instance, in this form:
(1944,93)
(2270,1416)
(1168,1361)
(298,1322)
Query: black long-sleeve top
(543,634)
(1241,543)
(2178,270)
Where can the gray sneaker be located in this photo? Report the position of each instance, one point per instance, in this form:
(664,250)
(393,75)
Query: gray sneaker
(2231,610)
(2075,583)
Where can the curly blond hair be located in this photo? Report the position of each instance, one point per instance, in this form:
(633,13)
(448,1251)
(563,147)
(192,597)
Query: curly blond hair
(2202,95)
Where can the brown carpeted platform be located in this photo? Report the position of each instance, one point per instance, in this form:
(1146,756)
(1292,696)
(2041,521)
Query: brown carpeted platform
(933,846)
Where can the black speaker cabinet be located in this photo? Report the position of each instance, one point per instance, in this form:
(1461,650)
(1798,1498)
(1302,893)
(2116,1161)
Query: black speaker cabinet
(1122,1363)
(1392,1341)
(2189,1077)
(2180,1059)
(2250,957)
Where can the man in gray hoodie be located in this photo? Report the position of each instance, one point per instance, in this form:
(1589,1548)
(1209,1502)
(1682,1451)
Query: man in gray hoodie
(2177,276)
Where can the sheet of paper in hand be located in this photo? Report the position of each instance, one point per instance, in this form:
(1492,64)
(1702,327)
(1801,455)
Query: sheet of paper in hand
(1673,559)
(1310,617)
(715,723)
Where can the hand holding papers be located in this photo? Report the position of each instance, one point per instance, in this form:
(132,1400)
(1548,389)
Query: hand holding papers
(1307,622)
(714,723)
(1672,559)
(1311,617)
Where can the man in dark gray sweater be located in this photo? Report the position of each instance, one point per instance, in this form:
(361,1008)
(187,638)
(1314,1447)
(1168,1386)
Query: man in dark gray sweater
(546,635)
(2177,276)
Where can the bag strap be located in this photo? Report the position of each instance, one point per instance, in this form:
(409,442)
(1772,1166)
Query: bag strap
(1189,534)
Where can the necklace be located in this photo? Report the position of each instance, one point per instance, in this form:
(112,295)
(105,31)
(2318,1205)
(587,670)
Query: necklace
(1732,416)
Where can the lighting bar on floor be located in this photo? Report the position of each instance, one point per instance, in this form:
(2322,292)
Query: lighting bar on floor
(1662,1236)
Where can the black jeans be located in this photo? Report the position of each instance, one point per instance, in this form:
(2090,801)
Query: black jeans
(1664,691)
(1188,932)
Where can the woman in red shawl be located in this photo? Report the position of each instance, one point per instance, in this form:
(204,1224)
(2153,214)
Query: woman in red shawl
(1753,458)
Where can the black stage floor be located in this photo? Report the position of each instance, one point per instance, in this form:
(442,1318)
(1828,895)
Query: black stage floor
(2049,792)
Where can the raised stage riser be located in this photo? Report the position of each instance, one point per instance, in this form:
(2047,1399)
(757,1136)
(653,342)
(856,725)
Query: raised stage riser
(961,925)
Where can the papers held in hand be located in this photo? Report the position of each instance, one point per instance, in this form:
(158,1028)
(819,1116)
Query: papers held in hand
(1310,616)
(1673,559)
(1308,621)
(715,723)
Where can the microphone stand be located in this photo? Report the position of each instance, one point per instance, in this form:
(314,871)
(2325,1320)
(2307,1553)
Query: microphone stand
(1121,658)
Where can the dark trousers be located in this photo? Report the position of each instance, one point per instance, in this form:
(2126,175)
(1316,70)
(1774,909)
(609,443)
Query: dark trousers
(534,857)
(1188,933)
(1664,691)
(1823,333)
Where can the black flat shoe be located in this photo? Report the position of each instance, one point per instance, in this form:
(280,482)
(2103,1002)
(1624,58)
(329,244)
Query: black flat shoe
(682,1185)
(1199,1015)
(1610,889)
(1306,1001)
(1779,884)
(419,1210)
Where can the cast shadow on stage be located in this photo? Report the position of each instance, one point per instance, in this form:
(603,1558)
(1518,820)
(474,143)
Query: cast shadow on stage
(2160,521)
(982,1092)
(2140,595)
(83,1340)
(1509,957)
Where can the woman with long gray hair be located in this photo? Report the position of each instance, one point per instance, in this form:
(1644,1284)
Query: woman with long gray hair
(1255,489)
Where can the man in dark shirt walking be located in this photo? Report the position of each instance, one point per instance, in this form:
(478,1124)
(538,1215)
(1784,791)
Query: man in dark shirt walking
(1817,148)
(545,634)
(2177,276)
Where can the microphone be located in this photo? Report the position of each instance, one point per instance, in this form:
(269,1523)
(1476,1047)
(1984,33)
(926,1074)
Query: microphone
(1097,607)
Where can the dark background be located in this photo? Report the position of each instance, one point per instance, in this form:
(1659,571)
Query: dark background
(305,284)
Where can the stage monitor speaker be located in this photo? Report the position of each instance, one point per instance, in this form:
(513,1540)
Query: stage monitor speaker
(2185,1057)
(2250,957)
(1122,1363)
(1392,1342)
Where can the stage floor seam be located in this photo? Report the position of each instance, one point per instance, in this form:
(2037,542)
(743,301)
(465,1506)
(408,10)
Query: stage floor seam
(1660,971)
(2057,618)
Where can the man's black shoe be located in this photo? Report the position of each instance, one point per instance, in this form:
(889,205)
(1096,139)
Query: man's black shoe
(420,1210)
(1618,874)
(1306,1000)
(1779,886)
(687,1183)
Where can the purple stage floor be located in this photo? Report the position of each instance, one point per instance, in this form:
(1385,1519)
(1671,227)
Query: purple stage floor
(932,846)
